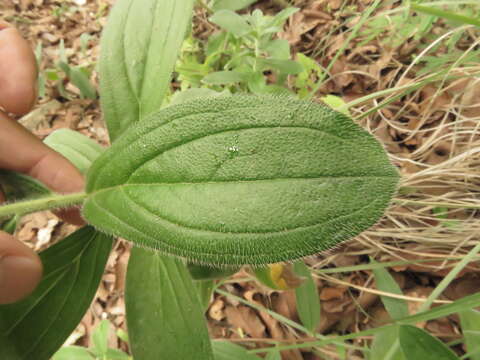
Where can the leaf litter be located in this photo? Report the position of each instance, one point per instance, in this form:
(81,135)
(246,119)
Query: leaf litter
(431,134)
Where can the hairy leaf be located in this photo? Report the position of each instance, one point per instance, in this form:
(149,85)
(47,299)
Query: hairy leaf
(77,148)
(37,326)
(140,42)
(164,314)
(241,180)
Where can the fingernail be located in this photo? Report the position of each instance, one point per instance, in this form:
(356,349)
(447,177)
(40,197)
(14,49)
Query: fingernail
(18,277)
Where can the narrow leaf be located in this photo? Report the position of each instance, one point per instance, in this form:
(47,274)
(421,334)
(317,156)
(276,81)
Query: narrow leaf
(308,302)
(470,320)
(385,345)
(284,66)
(241,180)
(164,314)
(233,5)
(38,325)
(76,147)
(82,82)
(100,338)
(225,350)
(416,343)
(139,45)
(224,78)
(232,22)
(396,308)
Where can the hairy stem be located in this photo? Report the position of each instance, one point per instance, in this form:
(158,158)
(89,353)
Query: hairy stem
(45,203)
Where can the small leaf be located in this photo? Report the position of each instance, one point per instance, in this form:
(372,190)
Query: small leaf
(76,147)
(38,325)
(100,338)
(308,302)
(284,66)
(470,320)
(385,345)
(232,22)
(336,103)
(419,344)
(73,353)
(139,46)
(224,78)
(82,82)
(278,49)
(241,180)
(164,314)
(225,350)
(233,5)
(396,308)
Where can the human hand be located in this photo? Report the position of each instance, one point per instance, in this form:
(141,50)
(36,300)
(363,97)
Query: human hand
(21,151)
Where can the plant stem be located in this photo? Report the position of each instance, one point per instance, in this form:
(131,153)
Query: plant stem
(45,203)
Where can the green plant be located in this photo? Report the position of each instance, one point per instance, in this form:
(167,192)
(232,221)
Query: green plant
(99,350)
(238,57)
(63,73)
(219,181)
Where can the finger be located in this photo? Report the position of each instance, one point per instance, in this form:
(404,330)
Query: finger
(23,152)
(18,72)
(20,269)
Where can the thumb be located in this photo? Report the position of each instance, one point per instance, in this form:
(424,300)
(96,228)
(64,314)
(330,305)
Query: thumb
(20,269)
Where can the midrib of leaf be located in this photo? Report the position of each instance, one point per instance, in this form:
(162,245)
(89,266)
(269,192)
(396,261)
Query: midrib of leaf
(124,65)
(143,209)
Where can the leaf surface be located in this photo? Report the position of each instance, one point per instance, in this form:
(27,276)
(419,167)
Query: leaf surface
(139,48)
(37,326)
(241,180)
(164,314)
(306,295)
(76,147)
(416,343)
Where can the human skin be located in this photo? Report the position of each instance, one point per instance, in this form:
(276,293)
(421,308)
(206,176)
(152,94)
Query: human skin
(21,151)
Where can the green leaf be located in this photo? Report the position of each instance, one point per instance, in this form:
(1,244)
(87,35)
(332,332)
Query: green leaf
(385,345)
(73,353)
(114,354)
(76,147)
(308,302)
(204,291)
(419,344)
(139,46)
(17,186)
(241,180)
(82,82)
(207,272)
(273,356)
(191,94)
(224,78)
(225,350)
(470,320)
(336,103)
(233,5)
(284,66)
(38,325)
(450,15)
(100,338)
(396,308)
(164,315)
(277,49)
(232,22)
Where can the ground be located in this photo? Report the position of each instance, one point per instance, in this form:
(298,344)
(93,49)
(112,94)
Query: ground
(430,133)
